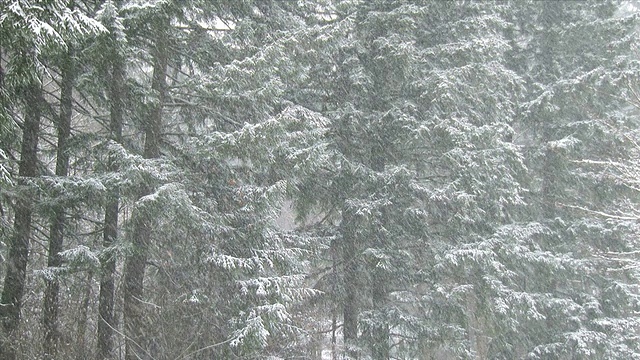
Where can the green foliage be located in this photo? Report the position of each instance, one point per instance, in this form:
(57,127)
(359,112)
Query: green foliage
(466,169)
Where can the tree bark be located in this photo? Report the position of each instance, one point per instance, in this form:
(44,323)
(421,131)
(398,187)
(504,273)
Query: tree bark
(106,322)
(334,309)
(136,262)
(549,188)
(56,231)
(380,333)
(1,77)
(81,345)
(350,302)
(15,276)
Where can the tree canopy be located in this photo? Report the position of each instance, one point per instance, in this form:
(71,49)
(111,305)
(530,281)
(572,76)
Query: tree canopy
(318,179)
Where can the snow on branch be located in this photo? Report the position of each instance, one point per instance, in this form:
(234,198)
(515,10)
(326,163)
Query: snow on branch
(601,213)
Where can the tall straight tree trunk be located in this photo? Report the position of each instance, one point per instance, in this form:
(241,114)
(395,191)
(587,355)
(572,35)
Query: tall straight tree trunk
(1,77)
(56,231)
(136,262)
(16,271)
(350,302)
(380,332)
(106,322)
(550,186)
(81,333)
(334,308)
(549,178)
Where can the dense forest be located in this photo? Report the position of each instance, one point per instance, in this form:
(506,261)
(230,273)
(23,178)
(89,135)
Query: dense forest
(319,179)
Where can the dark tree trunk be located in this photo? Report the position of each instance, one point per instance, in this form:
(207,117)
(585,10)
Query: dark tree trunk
(81,344)
(15,276)
(56,231)
(380,332)
(106,322)
(136,262)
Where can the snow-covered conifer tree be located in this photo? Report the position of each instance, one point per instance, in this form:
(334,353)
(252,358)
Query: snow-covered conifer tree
(420,104)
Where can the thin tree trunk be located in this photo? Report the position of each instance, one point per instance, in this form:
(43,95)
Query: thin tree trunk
(478,333)
(81,346)
(380,332)
(106,322)
(1,77)
(549,178)
(56,231)
(15,276)
(136,262)
(2,114)
(350,304)
(550,183)
(334,309)
(334,328)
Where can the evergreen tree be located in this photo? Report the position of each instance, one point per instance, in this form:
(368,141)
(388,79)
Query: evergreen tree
(462,176)
(113,43)
(56,231)
(423,164)
(201,204)
(568,114)
(539,267)
(29,30)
